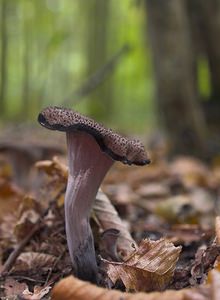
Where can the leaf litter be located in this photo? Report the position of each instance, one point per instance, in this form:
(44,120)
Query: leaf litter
(157,232)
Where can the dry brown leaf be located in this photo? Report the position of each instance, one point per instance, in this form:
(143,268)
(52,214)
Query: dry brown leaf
(217,229)
(215,285)
(34,260)
(205,259)
(53,167)
(7,230)
(176,209)
(192,171)
(38,293)
(9,189)
(16,290)
(149,268)
(13,288)
(72,288)
(28,214)
(10,197)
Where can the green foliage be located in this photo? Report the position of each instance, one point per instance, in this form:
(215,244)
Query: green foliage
(204,78)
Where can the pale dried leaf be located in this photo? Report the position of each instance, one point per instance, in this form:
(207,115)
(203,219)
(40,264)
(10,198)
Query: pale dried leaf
(215,284)
(153,190)
(53,167)
(13,287)
(25,223)
(108,217)
(149,268)
(217,229)
(38,294)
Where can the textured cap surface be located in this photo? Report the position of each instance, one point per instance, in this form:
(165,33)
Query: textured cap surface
(119,148)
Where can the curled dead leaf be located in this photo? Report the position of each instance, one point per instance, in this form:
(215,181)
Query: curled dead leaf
(108,218)
(72,288)
(150,267)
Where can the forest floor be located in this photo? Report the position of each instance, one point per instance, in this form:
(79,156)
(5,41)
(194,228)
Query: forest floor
(174,201)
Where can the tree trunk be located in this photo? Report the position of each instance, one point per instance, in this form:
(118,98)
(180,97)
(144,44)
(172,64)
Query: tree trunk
(97,40)
(26,73)
(205,27)
(208,13)
(179,110)
(4,54)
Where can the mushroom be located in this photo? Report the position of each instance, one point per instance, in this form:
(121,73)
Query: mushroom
(92,149)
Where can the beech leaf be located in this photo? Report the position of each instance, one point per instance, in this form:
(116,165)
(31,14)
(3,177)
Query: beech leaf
(148,268)
(72,288)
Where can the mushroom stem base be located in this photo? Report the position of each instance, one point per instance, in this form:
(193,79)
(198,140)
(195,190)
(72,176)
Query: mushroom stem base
(85,266)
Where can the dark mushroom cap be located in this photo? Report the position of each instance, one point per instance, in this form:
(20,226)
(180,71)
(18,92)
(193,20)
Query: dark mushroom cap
(117,147)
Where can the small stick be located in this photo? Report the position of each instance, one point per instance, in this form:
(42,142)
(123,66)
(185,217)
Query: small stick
(52,268)
(16,252)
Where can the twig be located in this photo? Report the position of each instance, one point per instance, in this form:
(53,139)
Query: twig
(98,77)
(16,252)
(19,277)
(53,267)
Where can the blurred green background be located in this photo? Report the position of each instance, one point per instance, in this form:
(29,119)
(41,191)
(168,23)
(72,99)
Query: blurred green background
(54,47)
(135,65)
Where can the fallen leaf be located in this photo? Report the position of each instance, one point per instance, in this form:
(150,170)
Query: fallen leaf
(204,261)
(13,287)
(34,260)
(16,290)
(217,229)
(176,209)
(192,171)
(72,288)
(38,293)
(53,167)
(108,244)
(215,284)
(150,267)
(108,218)
(153,190)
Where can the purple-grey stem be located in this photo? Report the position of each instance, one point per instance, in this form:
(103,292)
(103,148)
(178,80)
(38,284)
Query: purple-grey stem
(87,168)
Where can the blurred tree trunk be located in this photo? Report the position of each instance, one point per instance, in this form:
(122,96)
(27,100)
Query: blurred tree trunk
(209,24)
(97,43)
(26,69)
(177,98)
(205,27)
(4,54)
